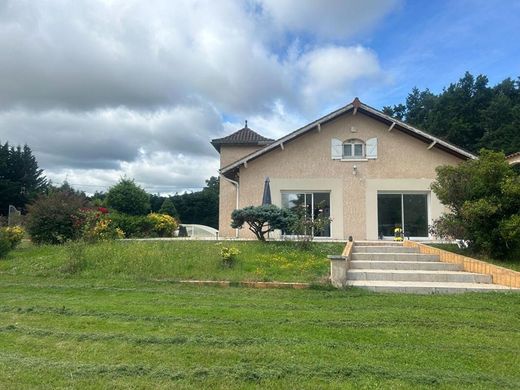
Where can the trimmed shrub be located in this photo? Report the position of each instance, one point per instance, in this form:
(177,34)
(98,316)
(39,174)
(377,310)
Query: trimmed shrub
(52,218)
(163,225)
(127,197)
(262,219)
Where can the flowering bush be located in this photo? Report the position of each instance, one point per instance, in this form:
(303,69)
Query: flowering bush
(14,235)
(163,225)
(229,255)
(95,225)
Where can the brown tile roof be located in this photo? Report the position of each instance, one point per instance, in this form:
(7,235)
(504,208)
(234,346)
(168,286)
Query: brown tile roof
(244,136)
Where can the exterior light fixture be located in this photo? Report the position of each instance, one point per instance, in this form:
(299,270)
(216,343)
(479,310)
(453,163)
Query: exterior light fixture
(354,170)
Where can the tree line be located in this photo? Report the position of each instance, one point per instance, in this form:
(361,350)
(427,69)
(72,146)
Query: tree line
(469,113)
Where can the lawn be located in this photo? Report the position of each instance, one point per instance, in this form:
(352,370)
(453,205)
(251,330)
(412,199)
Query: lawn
(174,260)
(512,263)
(73,333)
(120,322)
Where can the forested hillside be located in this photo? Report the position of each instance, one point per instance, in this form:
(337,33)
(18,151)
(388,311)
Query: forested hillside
(468,113)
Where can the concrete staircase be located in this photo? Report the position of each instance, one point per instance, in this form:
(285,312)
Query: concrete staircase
(391,267)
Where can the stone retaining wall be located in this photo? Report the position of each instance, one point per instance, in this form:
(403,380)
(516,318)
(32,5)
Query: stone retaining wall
(500,275)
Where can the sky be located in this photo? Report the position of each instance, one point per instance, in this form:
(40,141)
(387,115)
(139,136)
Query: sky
(122,88)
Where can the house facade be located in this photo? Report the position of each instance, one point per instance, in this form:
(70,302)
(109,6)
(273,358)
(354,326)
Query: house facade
(367,171)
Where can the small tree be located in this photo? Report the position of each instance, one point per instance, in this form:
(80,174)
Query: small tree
(168,208)
(262,219)
(127,197)
(305,227)
(483,196)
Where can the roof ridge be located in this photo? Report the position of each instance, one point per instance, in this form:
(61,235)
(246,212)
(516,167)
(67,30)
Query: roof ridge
(355,105)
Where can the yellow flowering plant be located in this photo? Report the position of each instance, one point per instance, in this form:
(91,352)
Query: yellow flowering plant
(163,224)
(229,255)
(14,235)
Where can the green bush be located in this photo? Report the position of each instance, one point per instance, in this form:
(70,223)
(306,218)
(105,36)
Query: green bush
(52,218)
(134,226)
(483,196)
(128,198)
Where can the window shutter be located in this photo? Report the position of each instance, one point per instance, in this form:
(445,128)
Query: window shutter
(371,148)
(336,149)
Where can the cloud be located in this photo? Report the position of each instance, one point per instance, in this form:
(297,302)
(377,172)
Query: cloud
(103,88)
(333,73)
(327,18)
(157,172)
(106,137)
(84,55)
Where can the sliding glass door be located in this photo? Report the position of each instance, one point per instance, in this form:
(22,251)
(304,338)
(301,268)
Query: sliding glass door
(409,211)
(312,204)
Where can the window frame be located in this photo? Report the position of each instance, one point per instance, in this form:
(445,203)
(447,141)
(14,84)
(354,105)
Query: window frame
(312,207)
(352,144)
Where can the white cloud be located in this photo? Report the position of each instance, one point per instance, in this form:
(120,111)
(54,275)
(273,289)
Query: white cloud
(328,18)
(104,88)
(333,73)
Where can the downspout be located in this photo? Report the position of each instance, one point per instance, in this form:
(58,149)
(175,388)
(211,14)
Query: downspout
(237,185)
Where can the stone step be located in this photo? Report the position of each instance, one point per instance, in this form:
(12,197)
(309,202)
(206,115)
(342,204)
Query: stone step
(417,276)
(383,249)
(406,265)
(394,257)
(377,243)
(427,287)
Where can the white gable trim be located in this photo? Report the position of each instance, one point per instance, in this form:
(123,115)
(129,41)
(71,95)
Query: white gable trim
(317,125)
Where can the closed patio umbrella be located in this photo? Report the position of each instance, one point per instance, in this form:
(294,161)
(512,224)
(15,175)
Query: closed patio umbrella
(266,198)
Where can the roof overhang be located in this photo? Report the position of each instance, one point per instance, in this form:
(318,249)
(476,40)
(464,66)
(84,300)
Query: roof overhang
(356,106)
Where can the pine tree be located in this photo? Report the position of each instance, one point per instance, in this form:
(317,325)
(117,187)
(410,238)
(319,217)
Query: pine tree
(20,178)
(168,207)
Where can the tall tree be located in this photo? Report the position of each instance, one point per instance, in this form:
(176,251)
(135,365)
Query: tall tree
(21,180)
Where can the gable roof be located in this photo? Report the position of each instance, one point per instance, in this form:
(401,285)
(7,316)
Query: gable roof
(356,106)
(244,136)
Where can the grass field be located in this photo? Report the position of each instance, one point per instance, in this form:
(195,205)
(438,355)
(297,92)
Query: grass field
(110,325)
(145,260)
(71,333)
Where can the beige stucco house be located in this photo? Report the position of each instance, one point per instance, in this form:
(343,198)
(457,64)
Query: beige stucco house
(368,171)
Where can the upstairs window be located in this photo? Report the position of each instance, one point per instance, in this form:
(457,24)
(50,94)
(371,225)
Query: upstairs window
(353,148)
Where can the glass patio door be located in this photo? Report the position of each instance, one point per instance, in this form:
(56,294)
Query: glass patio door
(409,211)
(312,204)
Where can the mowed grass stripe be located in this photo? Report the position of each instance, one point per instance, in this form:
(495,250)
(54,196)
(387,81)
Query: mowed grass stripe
(229,341)
(244,373)
(50,314)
